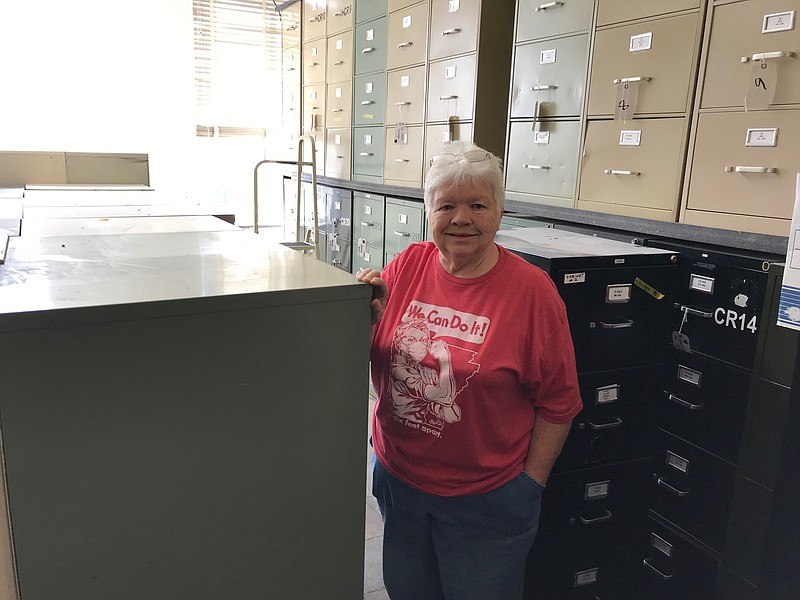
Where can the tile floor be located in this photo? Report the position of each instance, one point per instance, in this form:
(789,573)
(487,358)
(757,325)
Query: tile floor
(373,581)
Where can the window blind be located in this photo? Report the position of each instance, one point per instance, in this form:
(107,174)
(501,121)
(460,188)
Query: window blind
(237,49)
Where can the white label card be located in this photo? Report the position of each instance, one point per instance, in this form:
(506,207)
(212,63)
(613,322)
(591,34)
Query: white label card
(368,209)
(619,293)
(368,87)
(689,375)
(313,51)
(630,137)
(450,72)
(597,490)
(587,577)
(446,137)
(405,80)
(339,44)
(453,6)
(337,139)
(574,277)
(701,283)
(782,21)
(541,137)
(338,92)
(368,142)
(406,21)
(403,219)
(547,56)
(607,393)
(370,35)
(767,137)
(643,41)
(673,460)
(313,95)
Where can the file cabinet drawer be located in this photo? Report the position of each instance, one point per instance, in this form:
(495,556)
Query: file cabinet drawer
(615,11)
(538,18)
(338,149)
(339,55)
(313,107)
(366,10)
(340,15)
(405,95)
(543,157)
(745,163)
(290,26)
(741,31)
(638,163)
(339,103)
(394,5)
(369,99)
(404,157)
(404,224)
(439,137)
(549,78)
(451,89)
(370,46)
(368,150)
(366,257)
(314,62)
(407,37)
(314,19)
(454,27)
(656,57)
(368,219)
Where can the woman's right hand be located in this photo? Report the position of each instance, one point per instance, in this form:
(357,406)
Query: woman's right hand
(380,292)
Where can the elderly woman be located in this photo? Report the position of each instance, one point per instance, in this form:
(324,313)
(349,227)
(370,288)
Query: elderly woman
(474,370)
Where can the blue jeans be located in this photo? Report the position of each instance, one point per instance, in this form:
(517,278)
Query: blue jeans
(456,548)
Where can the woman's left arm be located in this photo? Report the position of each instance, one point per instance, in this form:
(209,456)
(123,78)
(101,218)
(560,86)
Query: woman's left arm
(547,439)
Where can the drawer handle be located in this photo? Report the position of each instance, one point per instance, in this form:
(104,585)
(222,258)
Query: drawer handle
(401,160)
(626,324)
(403,103)
(367,102)
(617,422)
(337,157)
(665,576)
(631,80)
(619,172)
(769,55)
(682,402)
(313,64)
(743,169)
(368,50)
(366,154)
(548,5)
(402,233)
(688,310)
(667,486)
(537,167)
(365,224)
(543,88)
(451,97)
(452,31)
(405,44)
(292,69)
(337,110)
(601,519)
(336,63)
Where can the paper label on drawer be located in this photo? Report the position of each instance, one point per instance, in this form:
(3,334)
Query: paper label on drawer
(446,137)
(405,80)
(368,87)
(338,92)
(450,72)
(643,41)
(453,5)
(400,134)
(313,51)
(767,137)
(763,82)
(660,544)
(673,460)
(547,56)
(370,35)
(403,218)
(368,142)
(587,577)
(782,21)
(337,139)
(406,22)
(367,210)
(366,256)
(630,137)
(597,490)
(607,393)
(643,285)
(541,137)
(618,293)
(574,277)
(339,44)
(689,375)
(361,246)
(701,284)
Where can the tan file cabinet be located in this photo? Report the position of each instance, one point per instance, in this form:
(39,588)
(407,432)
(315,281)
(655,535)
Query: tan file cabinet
(394,5)
(404,160)
(549,77)
(658,56)
(407,36)
(339,57)
(633,165)
(314,62)
(313,108)
(451,88)
(538,18)
(339,104)
(340,16)
(454,27)
(743,36)
(314,19)
(745,163)
(617,11)
(338,149)
(405,95)
(290,26)
(439,138)
(543,161)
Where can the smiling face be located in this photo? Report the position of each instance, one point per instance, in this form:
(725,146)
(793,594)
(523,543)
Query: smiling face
(464,219)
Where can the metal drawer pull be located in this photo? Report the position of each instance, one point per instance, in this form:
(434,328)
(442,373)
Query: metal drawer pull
(617,422)
(631,79)
(743,169)
(401,160)
(537,167)
(405,44)
(402,103)
(682,402)
(292,69)
(451,31)
(368,50)
(365,224)
(665,576)
(543,88)
(678,492)
(453,97)
(337,157)
(627,323)
(769,55)
(548,5)
(313,64)
(618,172)
(695,311)
(367,102)
(366,154)
(402,233)
(602,519)
(337,110)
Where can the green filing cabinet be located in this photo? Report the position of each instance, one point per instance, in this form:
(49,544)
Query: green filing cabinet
(404,226)
(366,10)
(368,222)
(370,46)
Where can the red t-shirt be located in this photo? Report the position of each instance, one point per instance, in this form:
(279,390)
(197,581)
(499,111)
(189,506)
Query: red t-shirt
(462,368)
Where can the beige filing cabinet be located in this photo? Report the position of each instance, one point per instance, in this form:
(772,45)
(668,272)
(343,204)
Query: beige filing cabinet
(314,120)
(403,155)
(314,19)
(407,35)
(340,16)
(338,152)
(405,95)
(619,11)
(291,65)
(314,61)
(339,57)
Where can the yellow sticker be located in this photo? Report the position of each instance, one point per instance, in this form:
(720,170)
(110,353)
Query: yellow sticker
(649,289)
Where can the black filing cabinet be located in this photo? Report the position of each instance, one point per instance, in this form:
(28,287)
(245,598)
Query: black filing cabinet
(593,532)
